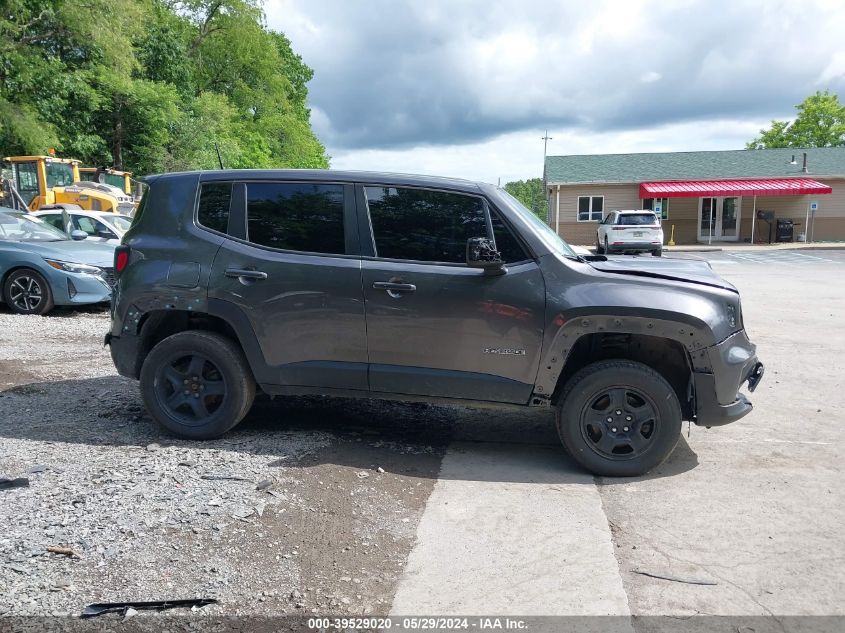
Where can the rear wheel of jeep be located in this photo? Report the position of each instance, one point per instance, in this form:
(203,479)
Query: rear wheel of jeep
(197,384)
(599,247)
(619,418)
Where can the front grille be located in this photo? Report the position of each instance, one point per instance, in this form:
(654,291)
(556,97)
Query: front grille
(111,279)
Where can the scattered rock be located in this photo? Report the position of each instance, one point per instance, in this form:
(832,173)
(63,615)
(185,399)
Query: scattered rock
(153,447)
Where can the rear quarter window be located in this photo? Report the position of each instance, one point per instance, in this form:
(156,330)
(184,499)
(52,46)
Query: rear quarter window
(213,211)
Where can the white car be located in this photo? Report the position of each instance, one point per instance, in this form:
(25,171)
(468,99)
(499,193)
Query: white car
(101,226)
(634,231)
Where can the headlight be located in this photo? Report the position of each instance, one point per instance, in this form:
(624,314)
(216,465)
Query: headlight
(731,315)
(70,267)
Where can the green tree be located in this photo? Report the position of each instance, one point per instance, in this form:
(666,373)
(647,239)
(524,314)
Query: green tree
(152,85)
(530,193)
(820,122)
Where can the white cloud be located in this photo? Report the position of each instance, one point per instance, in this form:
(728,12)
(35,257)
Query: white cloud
(452,87)
(519,155)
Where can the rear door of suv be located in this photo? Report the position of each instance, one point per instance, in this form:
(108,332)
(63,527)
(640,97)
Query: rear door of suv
(290,272)
(436,327)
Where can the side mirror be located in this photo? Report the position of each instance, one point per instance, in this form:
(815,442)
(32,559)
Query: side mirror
(78,235)
(481,253)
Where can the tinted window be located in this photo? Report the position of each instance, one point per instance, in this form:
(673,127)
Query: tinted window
(431,226)
(296,216)
(506,243)
(213,212)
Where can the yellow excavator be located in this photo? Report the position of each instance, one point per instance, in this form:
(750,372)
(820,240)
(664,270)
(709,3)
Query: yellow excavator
(108,176)
(48,182)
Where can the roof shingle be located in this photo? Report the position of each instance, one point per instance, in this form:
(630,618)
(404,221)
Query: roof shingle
(742,163)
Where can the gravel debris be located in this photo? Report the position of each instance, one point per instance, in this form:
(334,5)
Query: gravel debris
(271,509)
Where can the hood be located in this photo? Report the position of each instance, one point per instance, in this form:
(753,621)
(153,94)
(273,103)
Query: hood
(688,270)
(78,252)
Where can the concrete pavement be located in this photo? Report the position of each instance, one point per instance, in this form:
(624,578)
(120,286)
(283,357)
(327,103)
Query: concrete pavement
(753,511)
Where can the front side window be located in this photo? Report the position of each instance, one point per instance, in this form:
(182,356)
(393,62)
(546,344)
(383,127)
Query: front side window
(507,245)
(424,225)
(296,216)
(92,227)
(590,208)
(213,212)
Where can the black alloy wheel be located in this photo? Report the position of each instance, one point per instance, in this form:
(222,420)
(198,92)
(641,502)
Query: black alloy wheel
(190,388)
(197,384)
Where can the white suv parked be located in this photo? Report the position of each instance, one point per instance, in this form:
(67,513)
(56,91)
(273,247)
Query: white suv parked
(630,232)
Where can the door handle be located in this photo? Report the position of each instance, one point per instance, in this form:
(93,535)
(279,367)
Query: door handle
(393,287)
(242,273)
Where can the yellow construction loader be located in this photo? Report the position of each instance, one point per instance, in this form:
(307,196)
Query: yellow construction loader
(109,176)
(49,182)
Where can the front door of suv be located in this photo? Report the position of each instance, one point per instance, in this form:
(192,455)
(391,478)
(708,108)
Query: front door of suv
(290,274)
(436,327)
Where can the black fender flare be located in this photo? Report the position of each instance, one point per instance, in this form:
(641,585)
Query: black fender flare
(566,329)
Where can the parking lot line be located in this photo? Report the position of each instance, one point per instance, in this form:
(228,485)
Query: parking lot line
(511,530)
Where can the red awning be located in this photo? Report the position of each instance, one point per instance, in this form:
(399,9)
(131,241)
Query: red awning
(714,188)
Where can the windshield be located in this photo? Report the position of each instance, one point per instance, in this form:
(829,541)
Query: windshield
(554,241)
(114,180)
(22,227)
(59,175)
(636,219)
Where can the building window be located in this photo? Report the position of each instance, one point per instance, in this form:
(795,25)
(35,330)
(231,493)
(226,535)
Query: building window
(590,208)
(649,203)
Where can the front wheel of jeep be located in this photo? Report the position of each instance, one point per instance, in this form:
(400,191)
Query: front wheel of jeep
(197,384)
(619,418)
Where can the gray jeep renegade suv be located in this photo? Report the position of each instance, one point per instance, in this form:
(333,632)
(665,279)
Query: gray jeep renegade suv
(415,288)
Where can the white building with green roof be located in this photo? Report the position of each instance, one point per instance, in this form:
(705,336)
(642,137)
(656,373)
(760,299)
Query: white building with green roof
(721,196)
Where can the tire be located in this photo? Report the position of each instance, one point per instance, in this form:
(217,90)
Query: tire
(599,248)
(657,252)
(26,291)
(607,250)
(592,432)
(197,384)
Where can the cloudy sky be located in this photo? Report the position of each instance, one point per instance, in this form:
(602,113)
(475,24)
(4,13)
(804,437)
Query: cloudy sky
(467,87)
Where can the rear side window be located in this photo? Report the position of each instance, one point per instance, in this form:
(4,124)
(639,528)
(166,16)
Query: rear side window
(296,216)
(423,225)
(215,198)
(636,219)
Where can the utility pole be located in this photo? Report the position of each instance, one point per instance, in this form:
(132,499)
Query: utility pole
(545,140)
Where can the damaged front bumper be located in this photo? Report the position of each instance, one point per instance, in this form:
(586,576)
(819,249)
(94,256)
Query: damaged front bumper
(733,363)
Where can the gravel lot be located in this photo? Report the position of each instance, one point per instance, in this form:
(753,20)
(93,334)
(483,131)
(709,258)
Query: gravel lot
(310,514)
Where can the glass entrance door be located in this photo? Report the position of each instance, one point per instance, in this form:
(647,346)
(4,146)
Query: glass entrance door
(718,219)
